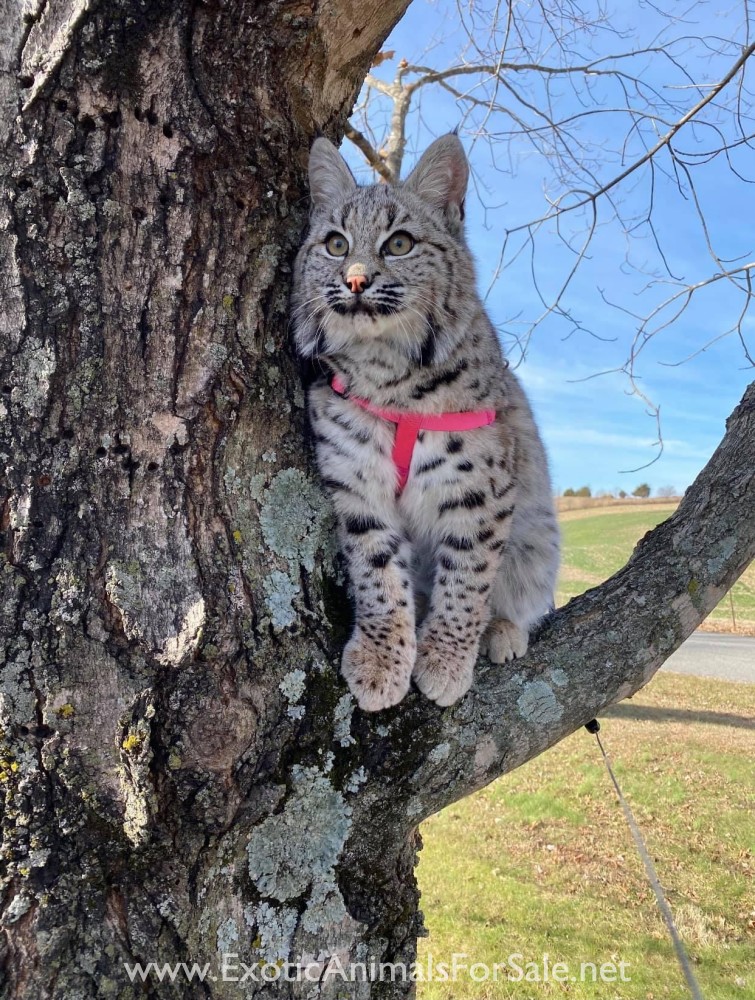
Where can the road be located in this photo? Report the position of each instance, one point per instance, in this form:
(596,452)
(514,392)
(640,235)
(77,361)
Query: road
(712,654)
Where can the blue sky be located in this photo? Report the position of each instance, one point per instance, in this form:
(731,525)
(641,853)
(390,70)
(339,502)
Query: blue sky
(595,431)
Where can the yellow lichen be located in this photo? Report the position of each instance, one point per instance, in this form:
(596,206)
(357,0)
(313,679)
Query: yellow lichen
(66,711)
(132,742)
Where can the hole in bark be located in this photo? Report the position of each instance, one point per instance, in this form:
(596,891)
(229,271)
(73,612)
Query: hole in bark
(67,434)
(168,131)
(151,117)
(240,203)
(24,184)
(39,732)
(111,118)
(37,524)
(61,105)
(164,199)
(356,32)
(152,466)
(7,389)
(26,82)
(129,464)
(138,114)
(121,449)
(88,123)
(138,214)
(100,452)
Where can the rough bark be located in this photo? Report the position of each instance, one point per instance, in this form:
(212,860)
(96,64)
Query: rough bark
(183,773)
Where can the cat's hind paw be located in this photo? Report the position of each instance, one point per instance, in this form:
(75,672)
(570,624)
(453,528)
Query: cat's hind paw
(503,641)
(378,674)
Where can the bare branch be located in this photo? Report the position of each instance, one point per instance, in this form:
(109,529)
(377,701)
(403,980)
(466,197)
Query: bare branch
(370,154)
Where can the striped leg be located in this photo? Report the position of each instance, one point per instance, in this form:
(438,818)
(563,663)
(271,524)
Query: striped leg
(378,659)
(353,452)
(471,534)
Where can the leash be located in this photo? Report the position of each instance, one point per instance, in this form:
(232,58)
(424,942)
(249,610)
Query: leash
(593,727)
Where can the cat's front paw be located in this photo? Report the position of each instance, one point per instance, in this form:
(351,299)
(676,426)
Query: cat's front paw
(443,671)
(503,641)
(378,670)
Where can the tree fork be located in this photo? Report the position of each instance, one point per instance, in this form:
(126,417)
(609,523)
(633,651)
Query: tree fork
(184,775)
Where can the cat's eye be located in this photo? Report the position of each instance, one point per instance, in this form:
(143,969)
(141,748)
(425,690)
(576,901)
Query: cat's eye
(398,244)
(337,245)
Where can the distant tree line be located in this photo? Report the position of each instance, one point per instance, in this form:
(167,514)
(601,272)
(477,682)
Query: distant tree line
(642,492)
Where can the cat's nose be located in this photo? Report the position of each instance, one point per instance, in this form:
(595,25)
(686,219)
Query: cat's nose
(356,279)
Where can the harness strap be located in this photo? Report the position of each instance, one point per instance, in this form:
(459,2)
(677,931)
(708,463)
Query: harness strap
(408,426)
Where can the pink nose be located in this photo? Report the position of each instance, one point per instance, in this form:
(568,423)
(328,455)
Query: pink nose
(357,283)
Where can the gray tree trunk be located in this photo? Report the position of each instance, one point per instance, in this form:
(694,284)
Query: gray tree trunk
(184,775)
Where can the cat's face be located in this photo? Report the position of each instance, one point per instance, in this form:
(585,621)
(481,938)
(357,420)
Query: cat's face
(380,262)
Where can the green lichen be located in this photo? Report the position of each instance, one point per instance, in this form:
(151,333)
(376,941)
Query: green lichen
(275,930)
(296,519)
(559,677)
(33,367)
(227,935)
(356,780)
(292,688)
(299,847)
(537,703)
(439,753)
(280,592)
(342,720)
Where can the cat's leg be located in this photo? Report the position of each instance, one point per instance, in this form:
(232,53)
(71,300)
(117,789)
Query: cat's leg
(378,659)
(469,536)
(522,593)
(353,452)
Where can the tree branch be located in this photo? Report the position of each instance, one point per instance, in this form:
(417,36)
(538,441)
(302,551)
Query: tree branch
(367,150)
(599,649)
(654,150)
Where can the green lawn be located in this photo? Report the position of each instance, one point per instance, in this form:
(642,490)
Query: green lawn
(541,861)
(597,542)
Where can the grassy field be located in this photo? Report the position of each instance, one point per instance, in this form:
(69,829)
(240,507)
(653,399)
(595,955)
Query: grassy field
(598,541)
(541,861)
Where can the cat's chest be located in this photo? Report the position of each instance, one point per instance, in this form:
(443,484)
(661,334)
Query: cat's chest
(440,463)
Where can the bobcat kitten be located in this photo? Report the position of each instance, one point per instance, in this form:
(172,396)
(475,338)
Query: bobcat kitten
(460,548)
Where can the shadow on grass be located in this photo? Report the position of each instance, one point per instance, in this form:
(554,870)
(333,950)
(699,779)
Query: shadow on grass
(651,714)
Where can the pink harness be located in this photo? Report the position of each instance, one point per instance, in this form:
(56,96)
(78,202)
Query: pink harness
(408,426)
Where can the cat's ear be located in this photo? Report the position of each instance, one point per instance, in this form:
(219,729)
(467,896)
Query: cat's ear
(330,180)
(440,178)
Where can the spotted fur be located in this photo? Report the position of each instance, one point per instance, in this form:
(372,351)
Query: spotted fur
(467,554)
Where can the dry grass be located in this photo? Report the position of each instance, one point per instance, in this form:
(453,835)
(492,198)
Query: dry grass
(591,503)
